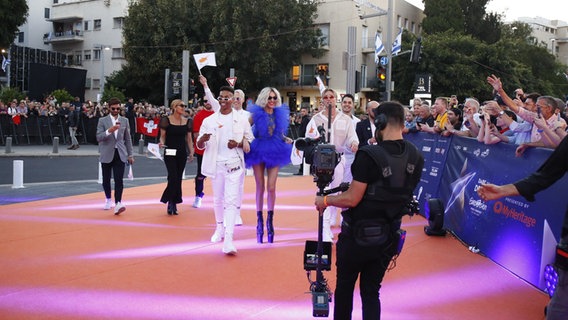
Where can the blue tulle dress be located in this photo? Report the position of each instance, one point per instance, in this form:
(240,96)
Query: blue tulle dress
(269,130)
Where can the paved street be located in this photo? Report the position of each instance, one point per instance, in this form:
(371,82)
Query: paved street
(71,172)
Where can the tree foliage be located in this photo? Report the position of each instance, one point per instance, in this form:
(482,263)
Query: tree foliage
(257,39)
(13,13)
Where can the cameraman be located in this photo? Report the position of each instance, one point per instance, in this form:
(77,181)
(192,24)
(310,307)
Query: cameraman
(342,136)
(374,202)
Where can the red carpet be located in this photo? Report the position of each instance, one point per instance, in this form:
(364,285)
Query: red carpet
(67,258)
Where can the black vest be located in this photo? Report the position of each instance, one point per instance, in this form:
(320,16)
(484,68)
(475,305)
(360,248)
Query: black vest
(393,191)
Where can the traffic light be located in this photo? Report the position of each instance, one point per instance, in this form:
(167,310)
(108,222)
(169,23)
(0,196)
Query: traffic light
(381,73)
(416,48)
(381,82)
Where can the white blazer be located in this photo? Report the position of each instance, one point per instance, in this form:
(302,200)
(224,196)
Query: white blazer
(241,129)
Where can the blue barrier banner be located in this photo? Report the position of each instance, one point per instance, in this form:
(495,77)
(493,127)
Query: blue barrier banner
(515,233)
(434,149)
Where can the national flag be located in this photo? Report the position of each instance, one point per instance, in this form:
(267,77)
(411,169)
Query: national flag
(205,59)
(147,127)
(16,119)
(5,63)
(379,47)
(397,44)
(321,86)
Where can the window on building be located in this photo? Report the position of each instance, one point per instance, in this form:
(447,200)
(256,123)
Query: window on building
(97,24)
(97,54)
(365,37)
(88,83)
(55,1)
(78,57)
(406,23)
(324,28)
(117,53)
(399,21)
(413,27)
(96,84)
(364,76)
(296,74)
(309,74)
(87,55)
(46,13)
(118,22)
(86,25)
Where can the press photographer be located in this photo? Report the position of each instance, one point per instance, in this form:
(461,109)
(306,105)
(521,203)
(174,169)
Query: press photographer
(384,178)
(343,136)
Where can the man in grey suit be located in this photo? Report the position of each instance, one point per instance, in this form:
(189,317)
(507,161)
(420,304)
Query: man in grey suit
(115,148)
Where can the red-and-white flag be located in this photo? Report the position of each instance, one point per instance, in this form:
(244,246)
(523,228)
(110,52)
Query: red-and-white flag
(205,59)
(147,127)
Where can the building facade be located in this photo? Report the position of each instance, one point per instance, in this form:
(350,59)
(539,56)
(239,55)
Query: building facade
(553,34)
(87,32)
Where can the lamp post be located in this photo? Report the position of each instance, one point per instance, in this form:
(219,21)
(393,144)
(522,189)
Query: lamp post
(102,48)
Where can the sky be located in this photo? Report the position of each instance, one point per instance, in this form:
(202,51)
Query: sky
(513,9)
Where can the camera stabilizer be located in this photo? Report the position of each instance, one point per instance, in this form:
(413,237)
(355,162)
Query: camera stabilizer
(321,293)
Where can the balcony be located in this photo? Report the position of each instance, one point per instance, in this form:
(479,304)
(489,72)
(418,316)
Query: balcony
(70,36)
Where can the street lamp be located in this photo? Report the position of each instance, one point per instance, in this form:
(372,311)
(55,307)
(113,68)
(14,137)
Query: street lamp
(102,48)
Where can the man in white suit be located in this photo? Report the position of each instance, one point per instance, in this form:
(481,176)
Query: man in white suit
(115,148)
(225,136)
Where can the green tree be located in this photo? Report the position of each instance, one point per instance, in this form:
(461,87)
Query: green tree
(257,39)
(13,13)
(9,94)
(442,15)
(62,95)
(112,92)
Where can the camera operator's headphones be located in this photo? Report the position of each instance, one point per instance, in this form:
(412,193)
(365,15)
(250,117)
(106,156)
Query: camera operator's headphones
(380,120)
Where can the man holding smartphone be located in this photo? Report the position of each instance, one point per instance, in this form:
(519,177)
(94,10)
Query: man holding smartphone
(115,148)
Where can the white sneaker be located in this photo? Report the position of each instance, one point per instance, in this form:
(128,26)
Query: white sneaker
(108,204)
(119,208)
(218,235)
(228,247)
(238,220)
(197,202)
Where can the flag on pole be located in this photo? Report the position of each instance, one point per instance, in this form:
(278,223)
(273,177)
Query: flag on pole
(379,47)
(5,63)
(397,44)
(205,59)
(321,86)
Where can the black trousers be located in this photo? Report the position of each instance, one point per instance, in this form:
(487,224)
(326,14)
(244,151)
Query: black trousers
(368,263)
(116,168)
(175,166)
(199,178)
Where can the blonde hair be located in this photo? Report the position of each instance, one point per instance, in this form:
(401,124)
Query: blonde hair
(262,99)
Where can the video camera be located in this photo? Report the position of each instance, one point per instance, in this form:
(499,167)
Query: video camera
(322,157)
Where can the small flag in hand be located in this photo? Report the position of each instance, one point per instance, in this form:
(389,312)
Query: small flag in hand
(205,59)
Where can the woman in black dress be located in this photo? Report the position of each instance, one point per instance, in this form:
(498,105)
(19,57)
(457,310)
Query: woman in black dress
(175,139)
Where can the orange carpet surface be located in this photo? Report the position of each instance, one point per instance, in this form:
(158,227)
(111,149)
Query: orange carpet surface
(67,258)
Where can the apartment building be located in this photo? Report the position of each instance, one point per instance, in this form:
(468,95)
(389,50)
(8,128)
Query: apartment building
(551,33)
(334,19)
(87,33)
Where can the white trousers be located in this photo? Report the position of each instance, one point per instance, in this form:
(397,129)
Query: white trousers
(337,179)
(227,188)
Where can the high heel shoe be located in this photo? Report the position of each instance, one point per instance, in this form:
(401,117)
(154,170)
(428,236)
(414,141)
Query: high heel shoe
(170,211)
(174,209)
(270,226)
(259,227)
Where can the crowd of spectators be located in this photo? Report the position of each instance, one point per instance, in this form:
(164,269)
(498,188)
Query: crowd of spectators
(526,120)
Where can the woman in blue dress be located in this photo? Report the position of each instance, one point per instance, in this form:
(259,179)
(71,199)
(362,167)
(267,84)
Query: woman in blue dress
(269,151)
